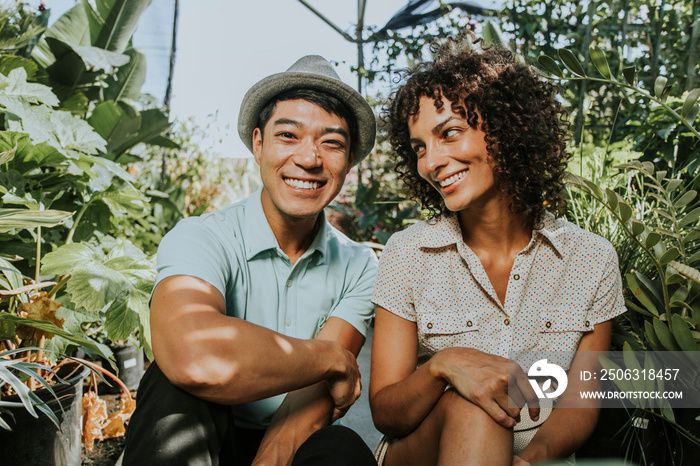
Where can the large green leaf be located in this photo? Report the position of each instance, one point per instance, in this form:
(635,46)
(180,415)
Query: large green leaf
(126,200)
(119,21)
(69,69)
(665,336)
(78,26)
(118,284)
(67,133)
(94,286)
(15,88)
(121,320)
(682,334)
(11,62)
(115,122)
(96,59)
(641,293)
(69,256)
(153,123)
(129,79)
(25,218)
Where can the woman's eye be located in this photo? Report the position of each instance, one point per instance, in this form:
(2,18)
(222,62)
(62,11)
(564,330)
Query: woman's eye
(418,149)
(450,132)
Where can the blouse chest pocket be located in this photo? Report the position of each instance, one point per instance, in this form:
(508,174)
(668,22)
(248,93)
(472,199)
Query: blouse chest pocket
(561,329)
(438,330)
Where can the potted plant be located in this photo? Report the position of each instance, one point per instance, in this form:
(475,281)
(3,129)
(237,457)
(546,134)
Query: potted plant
(68,117)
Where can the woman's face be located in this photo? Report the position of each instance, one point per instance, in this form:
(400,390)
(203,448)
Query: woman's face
(452,156)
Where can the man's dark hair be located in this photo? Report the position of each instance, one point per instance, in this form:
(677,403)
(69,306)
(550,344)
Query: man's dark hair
(525,125)
(326,101)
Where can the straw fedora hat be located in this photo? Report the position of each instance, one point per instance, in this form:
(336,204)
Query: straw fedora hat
(309,72)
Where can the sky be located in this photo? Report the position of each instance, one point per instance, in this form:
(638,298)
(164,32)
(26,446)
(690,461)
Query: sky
(225,46)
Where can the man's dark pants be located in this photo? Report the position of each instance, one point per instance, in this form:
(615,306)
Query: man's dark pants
(171,427)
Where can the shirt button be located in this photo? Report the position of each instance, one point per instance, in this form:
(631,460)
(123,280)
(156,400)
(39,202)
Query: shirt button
(588,324)
(430,325)
(288,322)
(507,321)
(469,323)
(548,325)
(516,277)
(289,283)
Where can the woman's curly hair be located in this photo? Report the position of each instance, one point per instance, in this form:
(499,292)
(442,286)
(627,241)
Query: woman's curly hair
(526,128)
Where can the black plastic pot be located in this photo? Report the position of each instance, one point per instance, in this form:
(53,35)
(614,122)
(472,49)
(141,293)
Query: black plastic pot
(129,361)
(37,441)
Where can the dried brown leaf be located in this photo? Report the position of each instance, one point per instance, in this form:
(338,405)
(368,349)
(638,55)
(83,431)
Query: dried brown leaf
(115,425)
(94,415)
(40,307)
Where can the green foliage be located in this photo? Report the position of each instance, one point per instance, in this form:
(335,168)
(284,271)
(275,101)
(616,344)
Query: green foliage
(649,211)
(69,116)
(18,26)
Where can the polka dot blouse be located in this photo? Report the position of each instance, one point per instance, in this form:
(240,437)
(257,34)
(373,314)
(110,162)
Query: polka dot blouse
(563,283)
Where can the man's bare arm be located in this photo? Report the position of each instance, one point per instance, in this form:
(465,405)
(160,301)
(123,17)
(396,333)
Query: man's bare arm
(230,361)
(306,410)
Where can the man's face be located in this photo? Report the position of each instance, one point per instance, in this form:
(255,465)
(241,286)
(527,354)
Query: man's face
(303,157)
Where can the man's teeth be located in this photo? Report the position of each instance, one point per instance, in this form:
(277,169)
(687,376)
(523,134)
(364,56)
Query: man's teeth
(453,178)
(302,184)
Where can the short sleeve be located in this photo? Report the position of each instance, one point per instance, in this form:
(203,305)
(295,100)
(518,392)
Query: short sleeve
(392,289)
(355,306)
(609,301)
(192,248)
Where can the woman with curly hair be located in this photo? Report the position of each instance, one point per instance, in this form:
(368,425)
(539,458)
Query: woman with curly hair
(492,282)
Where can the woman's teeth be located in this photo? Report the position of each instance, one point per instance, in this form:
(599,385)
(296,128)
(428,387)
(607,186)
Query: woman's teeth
(453,178)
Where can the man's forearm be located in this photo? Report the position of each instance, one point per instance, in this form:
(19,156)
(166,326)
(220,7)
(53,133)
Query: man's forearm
(241,362)
(302,413)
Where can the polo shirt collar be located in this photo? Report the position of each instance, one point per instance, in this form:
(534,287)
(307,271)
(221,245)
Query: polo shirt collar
(444,230)
(259,236)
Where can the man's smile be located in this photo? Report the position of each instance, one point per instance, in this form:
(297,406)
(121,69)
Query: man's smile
(301,184)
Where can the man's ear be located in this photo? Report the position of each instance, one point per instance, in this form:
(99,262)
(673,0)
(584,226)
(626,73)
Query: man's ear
(351,159)
(257,144)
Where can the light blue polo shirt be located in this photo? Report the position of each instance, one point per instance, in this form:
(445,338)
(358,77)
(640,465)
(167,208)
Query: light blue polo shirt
(235,250)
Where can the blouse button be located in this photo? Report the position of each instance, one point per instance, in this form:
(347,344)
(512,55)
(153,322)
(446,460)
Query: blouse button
(516,277)
(588,324)
(469,323)
(507,321)
(548,325)
(430,325)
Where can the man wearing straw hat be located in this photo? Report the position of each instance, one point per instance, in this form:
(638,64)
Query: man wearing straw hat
(260,309)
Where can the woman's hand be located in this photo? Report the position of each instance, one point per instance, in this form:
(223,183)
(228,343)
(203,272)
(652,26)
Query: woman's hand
(495,384)
(518,461)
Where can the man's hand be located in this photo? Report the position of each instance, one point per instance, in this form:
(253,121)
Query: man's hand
(345,389)
(489,382)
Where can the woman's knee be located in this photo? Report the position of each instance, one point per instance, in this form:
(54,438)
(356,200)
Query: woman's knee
(454,410)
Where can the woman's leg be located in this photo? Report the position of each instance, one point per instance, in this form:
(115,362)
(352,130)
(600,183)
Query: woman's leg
(456,432)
